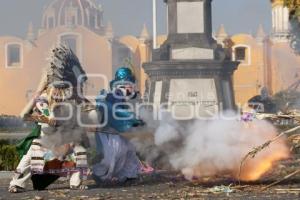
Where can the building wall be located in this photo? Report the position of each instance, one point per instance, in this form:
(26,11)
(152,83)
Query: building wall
(99,52)
(13,83)
(94,51)
(248,79)
(285,66)
(18,84)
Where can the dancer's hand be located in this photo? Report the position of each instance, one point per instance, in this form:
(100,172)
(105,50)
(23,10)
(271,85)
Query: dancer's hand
(139,123)
(52,122)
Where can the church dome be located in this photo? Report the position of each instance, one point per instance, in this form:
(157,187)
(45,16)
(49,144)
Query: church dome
(73,13)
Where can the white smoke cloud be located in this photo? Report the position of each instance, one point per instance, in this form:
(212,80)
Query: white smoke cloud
(68,130)
(207,148)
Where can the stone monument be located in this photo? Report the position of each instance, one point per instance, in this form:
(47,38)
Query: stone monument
(190,74)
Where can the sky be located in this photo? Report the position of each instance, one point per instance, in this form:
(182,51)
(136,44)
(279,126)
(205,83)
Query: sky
(128,16)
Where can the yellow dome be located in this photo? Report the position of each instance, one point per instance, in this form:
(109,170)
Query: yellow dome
(73,13)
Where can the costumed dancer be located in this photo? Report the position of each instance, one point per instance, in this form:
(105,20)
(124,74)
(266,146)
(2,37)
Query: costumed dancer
(55,147)
(116,159)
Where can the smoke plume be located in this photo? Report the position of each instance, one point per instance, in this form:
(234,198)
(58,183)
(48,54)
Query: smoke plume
(215,147)
(68,129)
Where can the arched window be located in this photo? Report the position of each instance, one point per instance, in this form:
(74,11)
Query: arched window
(242,54)
(71,17)
(50,22)
(121,54)
(71,20)
(99,20)
(13,55)
(93,21)
(73,41)
(70,41)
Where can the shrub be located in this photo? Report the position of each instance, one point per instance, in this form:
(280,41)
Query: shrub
(9,158)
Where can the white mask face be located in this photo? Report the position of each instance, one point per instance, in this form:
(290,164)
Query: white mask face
(43,107)
(128,90)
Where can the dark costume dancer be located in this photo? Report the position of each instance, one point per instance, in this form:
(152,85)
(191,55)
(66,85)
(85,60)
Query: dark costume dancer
(117,160)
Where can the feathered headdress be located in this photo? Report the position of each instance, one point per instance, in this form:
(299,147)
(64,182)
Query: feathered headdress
(63,71)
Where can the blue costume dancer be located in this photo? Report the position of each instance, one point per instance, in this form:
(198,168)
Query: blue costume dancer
(116,157)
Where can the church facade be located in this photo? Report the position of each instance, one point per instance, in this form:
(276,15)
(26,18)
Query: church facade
(266,61)
(79,25)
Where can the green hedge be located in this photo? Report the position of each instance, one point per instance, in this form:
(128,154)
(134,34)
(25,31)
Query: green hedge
(9,158)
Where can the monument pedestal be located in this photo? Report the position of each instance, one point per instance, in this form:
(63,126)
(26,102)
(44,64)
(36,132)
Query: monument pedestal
(189,74)
(191,88)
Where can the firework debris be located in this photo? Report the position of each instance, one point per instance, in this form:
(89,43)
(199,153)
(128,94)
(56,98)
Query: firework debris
(222,189)
(283,179)
(288,190)
(38,198)
(291,118)
(287,118)
(258,149)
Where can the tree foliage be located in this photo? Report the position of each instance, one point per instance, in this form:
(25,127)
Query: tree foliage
(294,7)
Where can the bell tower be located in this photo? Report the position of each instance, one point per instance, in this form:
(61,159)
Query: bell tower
(280,21)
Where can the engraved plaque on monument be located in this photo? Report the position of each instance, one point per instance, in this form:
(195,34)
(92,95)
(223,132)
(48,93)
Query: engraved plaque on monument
(192,53)
(188,12)
(192,97)
(190,73)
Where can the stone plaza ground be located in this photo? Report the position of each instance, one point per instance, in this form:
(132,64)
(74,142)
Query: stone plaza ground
(172,185)
(167,185)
